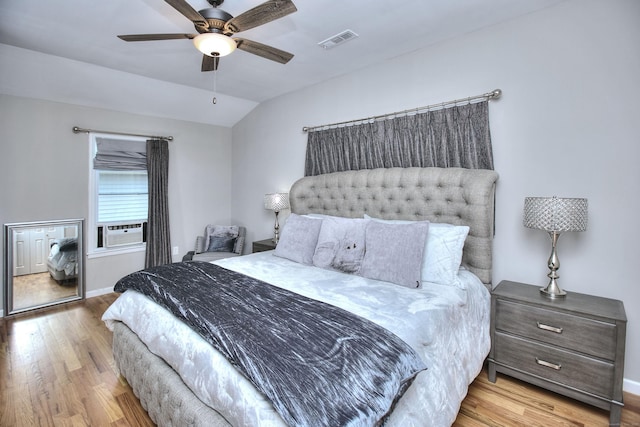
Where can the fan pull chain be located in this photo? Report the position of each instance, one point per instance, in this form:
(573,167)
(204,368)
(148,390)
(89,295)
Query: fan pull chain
(215,86)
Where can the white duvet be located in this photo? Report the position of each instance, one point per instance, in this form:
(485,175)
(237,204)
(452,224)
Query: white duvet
(446,325)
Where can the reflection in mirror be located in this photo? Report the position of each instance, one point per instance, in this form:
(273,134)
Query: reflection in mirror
(43,264)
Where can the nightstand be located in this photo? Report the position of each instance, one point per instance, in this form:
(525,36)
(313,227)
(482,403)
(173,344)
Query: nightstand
(573,346)
(263,245)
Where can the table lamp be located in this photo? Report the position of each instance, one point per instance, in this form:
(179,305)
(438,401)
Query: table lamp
(276,202)
(555,215)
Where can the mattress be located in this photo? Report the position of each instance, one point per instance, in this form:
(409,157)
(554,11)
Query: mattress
(447,325)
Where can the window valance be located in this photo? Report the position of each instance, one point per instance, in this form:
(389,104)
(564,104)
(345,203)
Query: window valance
(120,154)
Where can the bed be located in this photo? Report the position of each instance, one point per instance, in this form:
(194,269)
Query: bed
(62,261)
(181,379)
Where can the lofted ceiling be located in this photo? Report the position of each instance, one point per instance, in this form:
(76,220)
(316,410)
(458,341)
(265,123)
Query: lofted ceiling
(86,30)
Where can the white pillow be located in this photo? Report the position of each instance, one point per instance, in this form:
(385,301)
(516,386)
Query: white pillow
(443,251)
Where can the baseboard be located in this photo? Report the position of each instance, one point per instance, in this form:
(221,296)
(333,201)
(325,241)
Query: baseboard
(98,292)
(632,387)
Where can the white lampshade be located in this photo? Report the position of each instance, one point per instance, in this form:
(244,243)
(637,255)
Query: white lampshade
(276,201)
(214,44)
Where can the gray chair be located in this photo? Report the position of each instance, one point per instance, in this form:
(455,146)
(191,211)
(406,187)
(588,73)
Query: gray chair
(200,253)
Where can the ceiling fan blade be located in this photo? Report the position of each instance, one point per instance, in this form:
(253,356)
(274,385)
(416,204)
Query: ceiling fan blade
(259,15)
(263,50)
(189,12)
(152,37)
(210,63)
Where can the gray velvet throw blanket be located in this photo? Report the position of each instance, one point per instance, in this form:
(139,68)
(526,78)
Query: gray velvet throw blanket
(318,364)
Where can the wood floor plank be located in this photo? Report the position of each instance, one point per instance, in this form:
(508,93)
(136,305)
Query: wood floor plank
(131,410)
(110,405)
(62,342)
(8,406)
(56,368)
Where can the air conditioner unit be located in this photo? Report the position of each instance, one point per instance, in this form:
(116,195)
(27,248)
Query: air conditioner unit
(124,234)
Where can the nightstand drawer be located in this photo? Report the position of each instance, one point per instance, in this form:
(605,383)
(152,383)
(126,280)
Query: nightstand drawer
(572,332)
(554,364)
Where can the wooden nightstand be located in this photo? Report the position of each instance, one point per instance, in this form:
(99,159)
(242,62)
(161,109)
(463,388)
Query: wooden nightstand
(573,346)
(263,245)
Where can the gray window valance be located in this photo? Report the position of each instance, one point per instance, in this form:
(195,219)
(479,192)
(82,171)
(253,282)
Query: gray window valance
(119,154)
(457,136)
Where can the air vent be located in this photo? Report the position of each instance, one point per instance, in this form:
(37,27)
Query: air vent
(339,38)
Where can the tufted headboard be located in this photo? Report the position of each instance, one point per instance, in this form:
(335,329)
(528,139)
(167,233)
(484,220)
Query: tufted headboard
(451,195)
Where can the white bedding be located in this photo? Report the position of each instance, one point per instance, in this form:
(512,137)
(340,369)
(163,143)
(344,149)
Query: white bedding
(446,325)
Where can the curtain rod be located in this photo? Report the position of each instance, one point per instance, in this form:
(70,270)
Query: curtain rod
(77,129)
(494,94)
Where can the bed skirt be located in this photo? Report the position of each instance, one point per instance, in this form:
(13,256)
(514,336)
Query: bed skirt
(167,400)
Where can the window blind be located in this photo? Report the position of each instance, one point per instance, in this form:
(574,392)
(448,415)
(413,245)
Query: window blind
(122,196)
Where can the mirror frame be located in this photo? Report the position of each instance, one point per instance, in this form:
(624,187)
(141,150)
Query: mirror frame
(9,309)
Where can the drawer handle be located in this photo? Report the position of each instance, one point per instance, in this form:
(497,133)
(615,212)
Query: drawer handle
(541,362)
(549,328)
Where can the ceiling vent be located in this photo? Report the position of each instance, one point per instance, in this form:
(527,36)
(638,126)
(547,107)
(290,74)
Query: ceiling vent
(339,38)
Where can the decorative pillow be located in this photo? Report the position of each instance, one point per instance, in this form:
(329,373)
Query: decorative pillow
(341,244)
(395,252)
(221,244)
(443,252)
(227,231)
(298,239)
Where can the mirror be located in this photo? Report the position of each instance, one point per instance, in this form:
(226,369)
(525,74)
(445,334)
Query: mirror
(43,264)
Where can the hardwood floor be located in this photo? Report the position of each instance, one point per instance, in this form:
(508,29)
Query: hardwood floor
(56,369)
(510,402)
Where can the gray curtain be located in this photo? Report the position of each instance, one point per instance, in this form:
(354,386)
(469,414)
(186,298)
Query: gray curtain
(158,238)
(457,136)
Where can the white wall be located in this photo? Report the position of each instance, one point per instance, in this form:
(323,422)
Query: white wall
(44,171)
(31,74)
(567,125)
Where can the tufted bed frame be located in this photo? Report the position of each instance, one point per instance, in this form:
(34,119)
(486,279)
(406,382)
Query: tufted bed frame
(451,195)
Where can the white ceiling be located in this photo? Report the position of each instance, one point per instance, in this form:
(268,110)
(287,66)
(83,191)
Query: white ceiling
(85,30)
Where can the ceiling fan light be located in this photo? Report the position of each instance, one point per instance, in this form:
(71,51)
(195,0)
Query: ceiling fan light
(214,44)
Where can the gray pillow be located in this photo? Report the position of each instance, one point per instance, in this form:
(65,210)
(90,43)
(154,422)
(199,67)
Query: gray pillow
(442,253)
(340,244)
(221,244)
(298,239)
(394,252)
(228,231)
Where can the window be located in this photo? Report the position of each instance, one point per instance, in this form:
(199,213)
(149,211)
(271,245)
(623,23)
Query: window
(119,196)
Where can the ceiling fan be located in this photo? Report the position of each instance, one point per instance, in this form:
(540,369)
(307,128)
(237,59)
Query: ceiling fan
(215,28)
